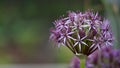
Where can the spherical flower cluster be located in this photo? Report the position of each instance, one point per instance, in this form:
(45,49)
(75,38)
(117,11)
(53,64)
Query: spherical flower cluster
(82,33)
(107,58)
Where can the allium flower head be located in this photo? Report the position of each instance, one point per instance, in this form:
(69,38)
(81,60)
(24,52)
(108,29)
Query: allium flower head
(108,58)
(82,33)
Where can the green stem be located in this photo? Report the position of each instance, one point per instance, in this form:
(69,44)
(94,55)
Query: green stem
(82,60)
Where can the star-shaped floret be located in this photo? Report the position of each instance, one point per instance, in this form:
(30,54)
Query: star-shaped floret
(79,41)
(96,44)
(66,35)
(61,24)
(78,26)
(107,39)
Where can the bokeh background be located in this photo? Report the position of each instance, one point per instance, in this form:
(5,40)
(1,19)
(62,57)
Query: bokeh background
(25,24)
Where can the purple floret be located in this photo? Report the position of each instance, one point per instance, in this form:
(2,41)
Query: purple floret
(108,57)
(75,63)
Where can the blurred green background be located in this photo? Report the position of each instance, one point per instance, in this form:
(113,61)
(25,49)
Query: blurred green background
(25,24)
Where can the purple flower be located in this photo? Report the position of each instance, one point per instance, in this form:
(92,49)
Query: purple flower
(82,33)
(108,57)
(75,63)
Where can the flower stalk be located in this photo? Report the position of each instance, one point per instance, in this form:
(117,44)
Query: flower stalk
(83,60)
